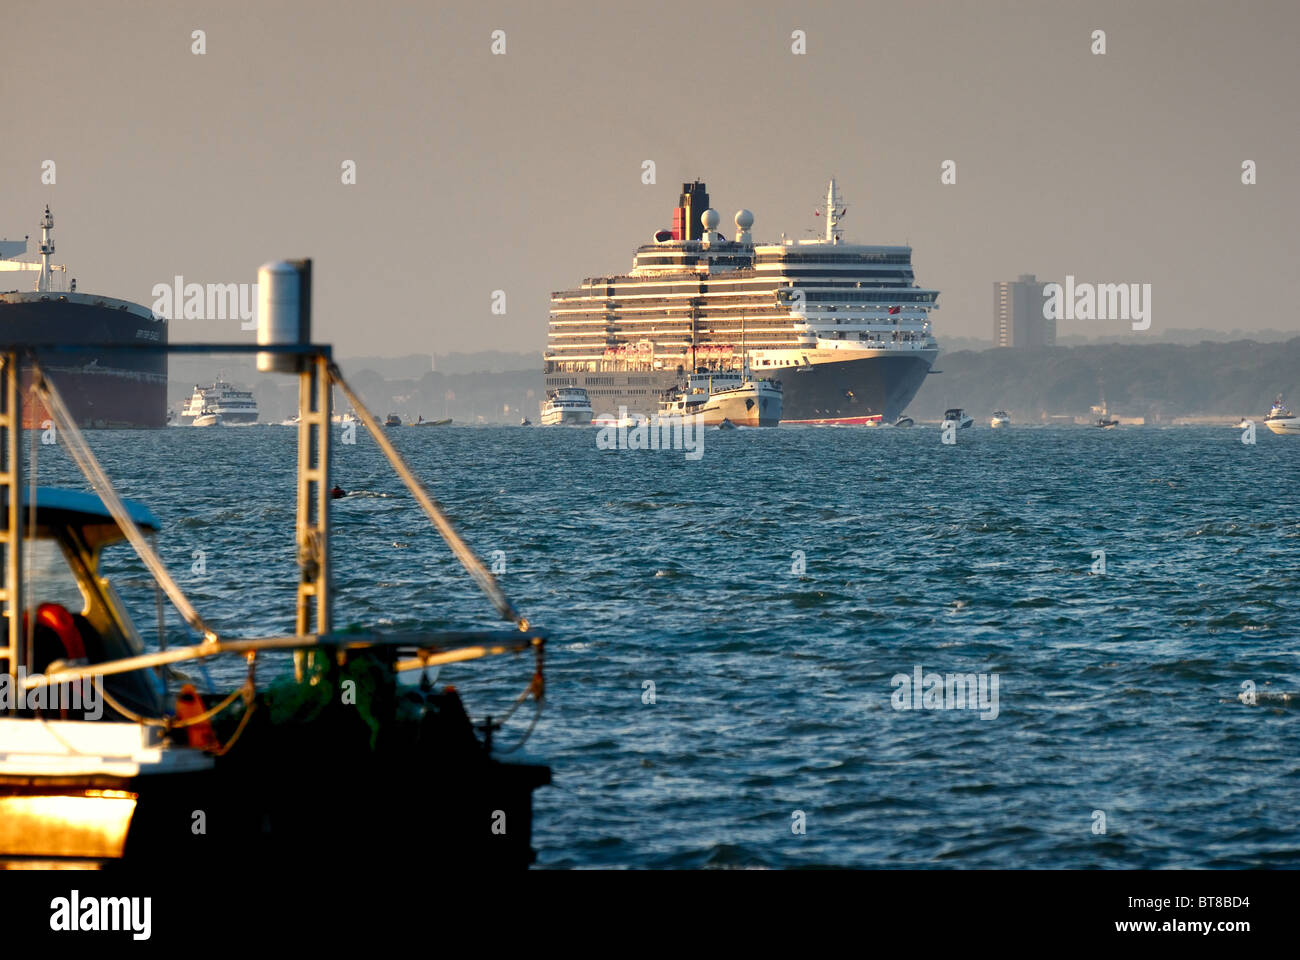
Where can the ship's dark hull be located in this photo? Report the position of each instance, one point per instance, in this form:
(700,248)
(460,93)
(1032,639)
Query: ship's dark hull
(104,388)
(858,391)
(876,388)
(302,792)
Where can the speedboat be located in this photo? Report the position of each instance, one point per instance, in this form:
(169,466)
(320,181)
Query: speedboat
(392,420)
(957,417)
(1280,419)
(904,422)
(525,422)
(421,422)
(1000,419)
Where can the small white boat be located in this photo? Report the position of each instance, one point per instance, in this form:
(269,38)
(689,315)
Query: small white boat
(1000,419)
(208,420)
(904,422)
(630,421)
(957,417)
(1281,420)
(567,406)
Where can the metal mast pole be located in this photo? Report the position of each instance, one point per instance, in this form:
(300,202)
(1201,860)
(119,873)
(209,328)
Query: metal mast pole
(11,482)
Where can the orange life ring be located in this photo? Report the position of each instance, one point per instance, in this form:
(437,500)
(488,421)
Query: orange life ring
(57,617)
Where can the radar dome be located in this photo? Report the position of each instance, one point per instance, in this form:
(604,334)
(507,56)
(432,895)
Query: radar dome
(744,219)
(710,219)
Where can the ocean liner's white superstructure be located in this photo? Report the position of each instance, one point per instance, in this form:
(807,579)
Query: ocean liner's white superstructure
(843,326)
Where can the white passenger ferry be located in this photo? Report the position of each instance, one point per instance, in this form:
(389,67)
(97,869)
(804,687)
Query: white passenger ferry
(221,403)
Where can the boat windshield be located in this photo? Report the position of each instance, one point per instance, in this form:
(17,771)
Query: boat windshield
(49,578)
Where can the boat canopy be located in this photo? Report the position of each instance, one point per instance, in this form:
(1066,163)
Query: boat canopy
(59,507)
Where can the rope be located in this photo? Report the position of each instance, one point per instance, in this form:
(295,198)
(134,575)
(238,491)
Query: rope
(463,552)
(243,722)
(171,723)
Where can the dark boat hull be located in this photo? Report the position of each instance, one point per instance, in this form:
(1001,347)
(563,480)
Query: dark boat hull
(103,388)
(310,793)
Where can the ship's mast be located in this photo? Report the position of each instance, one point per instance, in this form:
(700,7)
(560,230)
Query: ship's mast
(834,210)
(47,247)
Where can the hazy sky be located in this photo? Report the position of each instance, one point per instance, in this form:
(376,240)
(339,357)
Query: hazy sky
(522,172)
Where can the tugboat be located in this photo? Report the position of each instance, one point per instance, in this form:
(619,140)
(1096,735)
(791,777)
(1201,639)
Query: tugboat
(1280,419)
(104,760)
(725,396)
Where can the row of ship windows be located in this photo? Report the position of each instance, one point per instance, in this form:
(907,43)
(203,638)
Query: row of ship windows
(595,382)
(721,287)
(867,295)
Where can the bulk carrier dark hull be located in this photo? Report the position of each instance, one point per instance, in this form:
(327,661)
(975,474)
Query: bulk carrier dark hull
(103,388)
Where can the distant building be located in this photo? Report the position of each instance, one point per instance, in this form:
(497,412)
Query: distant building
(1018,319)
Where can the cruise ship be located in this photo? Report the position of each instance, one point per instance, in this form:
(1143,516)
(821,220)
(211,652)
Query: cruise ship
(843,326)
(103,388)
(220,403)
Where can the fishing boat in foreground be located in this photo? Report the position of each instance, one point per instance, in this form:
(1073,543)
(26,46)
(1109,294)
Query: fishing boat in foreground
(322,755)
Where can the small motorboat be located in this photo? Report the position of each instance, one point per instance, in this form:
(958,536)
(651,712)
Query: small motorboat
(1000,419)
(434,423)
(1281,420)
(208,420)
(957,417)
(727,425)
(525,422)
(392,420)
(904,422)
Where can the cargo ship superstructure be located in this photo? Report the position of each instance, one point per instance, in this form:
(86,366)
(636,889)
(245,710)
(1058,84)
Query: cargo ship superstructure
(843,326)
(104,388)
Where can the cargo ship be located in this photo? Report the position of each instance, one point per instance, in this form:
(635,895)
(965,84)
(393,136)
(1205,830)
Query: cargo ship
(104,387)
(843,326)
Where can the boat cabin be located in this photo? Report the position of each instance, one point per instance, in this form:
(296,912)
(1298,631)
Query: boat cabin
(79,618)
